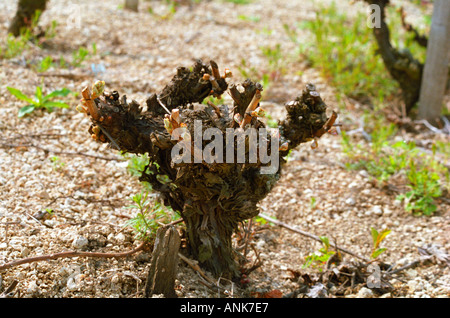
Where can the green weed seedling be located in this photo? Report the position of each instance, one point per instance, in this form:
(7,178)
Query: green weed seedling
(251,18)
(57,163)
(43,65)
(344,51)
(145,222)
(377,238)
(271,123)
(172,7)
(39,100)
(214,100)
(137,164)
(425,187)
(262,221)
(384,159)
(313,203)
(239,1)
(149,217)
(275,69)
(79,56)
(15,46)
(319,258)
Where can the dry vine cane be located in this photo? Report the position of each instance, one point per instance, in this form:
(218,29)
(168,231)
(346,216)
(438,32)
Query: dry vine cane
(212,197)
(71,254)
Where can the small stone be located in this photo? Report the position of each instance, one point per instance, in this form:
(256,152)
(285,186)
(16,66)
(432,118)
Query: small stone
(350,201)
(43,195)
(25,252)
(387,211)
(364,173)
(80,242)
(115,279)
(33,288)
(353,185)
(377,210)
(365,293)
(260,244)
(72,283)
(50,222)
(387,295)
(414,286)
(120,237)
(419,285)
(263,256)
(411,273)
(63,271)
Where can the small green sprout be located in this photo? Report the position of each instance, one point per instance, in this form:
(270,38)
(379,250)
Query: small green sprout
(377,238)
(321,257)
(39,100)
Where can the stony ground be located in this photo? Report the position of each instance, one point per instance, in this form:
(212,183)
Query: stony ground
(87,184)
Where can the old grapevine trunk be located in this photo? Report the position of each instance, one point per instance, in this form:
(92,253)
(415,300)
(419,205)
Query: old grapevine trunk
(402,66)
(220,159)
(26,10)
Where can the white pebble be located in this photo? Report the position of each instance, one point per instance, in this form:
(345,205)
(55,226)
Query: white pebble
(72,283)
(25,252)
(350,201)
(377,210)
(411,273)
(120,237)
(80,242)
(353,185)
(365,293)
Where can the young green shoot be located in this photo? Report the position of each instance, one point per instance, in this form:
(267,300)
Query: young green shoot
(377,238)
(39,100)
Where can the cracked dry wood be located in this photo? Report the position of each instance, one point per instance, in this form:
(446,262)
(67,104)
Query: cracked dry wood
(163,266)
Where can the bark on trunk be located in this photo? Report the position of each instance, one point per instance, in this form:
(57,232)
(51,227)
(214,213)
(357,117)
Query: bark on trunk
(26,10)
(402,66)
(132,5)
(211,196)
(162,272)
(436,66)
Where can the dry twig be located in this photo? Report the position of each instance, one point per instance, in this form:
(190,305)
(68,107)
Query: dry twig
(71,254)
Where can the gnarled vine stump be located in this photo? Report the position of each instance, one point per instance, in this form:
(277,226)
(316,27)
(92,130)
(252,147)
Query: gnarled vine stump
(212,194)
(26,11)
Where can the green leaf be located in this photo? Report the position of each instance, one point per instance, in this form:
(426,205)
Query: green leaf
(26,110)
(377,252)
(382,235)
(61,92)
(325,241)
(38,95)
(49,104)
(18,94)
(374,236)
